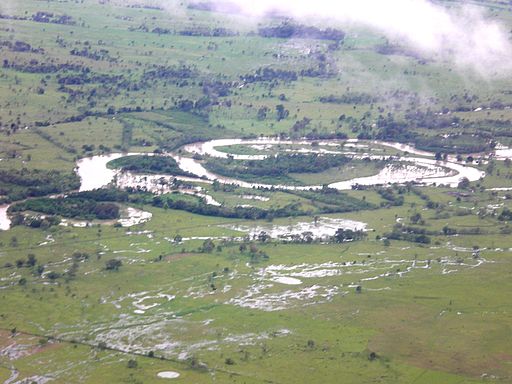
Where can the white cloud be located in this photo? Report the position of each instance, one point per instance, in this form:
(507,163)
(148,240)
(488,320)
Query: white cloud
(463,35)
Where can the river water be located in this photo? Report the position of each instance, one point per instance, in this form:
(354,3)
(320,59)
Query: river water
(94,173)
(5,222)
(424,170)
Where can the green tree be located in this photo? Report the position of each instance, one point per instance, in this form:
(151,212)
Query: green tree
(113,264)
(229,361)
(282,113)
(416,218)
(208,246)
(463,183)
(132,364)
(31,260)
(14,241)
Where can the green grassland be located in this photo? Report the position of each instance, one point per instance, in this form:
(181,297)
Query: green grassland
(344,330)
(390,308)
(331,175)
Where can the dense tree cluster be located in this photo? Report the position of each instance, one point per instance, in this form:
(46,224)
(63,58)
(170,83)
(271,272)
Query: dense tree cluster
(149,164)
(315,135)
(275,166)
(343,235)
(34,66)
(393,197)
(216,88)
(393,49)
(20,184)
(456,144)
(43,17)
(49,17)
(113,264)
(97,55)
(410,233)
(96,204)
(431,120)
(86,78)
(350,98)
(160,72)
(35,220)
(408,130)
(289,30)
(248,213)
(20,46)
(505,215)
(270,74)
(392,130)
(72,207)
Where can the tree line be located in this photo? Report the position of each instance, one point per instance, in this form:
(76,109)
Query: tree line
(70,207)
(20,184)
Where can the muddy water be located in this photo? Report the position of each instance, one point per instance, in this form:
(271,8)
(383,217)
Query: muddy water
(95,174)
(425,170)
(5,222)
(93,171)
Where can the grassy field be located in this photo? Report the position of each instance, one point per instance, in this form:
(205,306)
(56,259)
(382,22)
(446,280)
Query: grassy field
(331,175)
(98,305)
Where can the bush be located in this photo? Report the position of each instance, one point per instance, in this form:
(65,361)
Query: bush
(229,361)
(113,264)
(132,364)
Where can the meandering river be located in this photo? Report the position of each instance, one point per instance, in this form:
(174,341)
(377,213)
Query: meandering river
(421,167)
(423,170)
